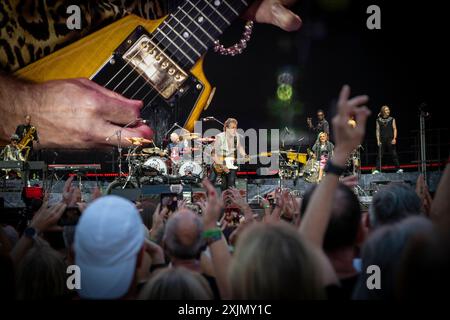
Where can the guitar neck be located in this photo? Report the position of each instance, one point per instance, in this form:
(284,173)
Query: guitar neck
(192,29)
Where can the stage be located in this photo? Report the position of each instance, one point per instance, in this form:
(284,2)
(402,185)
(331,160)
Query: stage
(11,190)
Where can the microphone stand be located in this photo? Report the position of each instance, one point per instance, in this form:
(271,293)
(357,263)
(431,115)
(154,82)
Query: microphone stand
(218,121)
(118,133)
(212,118)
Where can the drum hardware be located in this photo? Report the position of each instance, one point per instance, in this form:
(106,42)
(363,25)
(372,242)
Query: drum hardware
(191,136)
(138,141)
(207,139)
(155,151)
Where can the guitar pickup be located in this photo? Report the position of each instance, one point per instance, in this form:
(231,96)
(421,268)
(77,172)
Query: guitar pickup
(155,66)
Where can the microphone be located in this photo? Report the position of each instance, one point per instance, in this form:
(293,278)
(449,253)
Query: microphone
(208,119)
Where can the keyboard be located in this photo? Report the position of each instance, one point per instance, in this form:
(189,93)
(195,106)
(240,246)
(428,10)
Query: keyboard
(74,167)
(12,165)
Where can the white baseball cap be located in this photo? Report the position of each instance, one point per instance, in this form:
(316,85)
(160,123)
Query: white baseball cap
(108,238)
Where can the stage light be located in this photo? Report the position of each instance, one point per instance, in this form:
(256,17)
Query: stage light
(284,92)
(285,78)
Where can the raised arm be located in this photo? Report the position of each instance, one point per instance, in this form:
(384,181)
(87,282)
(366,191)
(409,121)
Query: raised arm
(317,216)
(218,246)
(440,207)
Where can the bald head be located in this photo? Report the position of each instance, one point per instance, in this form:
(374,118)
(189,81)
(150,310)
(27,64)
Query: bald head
(183,235)
(174,137)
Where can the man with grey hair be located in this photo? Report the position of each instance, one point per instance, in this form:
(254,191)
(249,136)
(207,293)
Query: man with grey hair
(393,203)
(184,244)
(183,238)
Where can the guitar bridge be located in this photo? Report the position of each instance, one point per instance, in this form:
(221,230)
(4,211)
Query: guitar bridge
(155,66)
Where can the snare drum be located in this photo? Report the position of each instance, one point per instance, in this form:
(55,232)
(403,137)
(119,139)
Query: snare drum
(190,168)
(156,165)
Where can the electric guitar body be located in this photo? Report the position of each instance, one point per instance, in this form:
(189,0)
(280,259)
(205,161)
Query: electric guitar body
(115,57)
(158,62)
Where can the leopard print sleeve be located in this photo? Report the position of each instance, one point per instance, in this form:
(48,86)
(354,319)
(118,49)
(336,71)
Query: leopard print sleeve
(32,29)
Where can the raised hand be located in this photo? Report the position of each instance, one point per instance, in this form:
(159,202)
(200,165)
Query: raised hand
(350,181)
(274,12)
(45,219)
(84,111)
(158,219)
(348,138)
(213,208)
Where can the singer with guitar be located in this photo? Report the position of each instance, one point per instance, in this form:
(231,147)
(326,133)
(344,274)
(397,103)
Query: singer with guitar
(227,150)
(54,73)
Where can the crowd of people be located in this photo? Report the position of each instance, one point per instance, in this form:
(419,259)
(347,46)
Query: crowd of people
(320,246)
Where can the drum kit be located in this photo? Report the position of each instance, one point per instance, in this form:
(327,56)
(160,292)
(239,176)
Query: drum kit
(154,165)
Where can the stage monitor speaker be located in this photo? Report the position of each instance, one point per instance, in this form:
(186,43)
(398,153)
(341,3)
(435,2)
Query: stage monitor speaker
(132,194)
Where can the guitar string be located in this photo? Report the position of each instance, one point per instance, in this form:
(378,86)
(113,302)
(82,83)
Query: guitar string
(126,64)
(154,34)
(164,37)
(151,90)
(165,48)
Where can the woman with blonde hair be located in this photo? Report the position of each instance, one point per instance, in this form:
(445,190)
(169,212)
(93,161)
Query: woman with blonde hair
(272,262)
(41,275)
(323,150)
(176,283)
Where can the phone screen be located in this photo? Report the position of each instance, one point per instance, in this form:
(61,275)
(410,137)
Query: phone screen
(169,200)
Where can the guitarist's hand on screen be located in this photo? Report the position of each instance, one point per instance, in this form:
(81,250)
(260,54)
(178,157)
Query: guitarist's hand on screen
(274,12)
(74,113)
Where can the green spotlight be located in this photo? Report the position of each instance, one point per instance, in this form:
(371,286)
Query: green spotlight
(284,92)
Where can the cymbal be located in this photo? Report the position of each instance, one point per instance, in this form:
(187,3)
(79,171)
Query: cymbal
(156,150)
(190,136)
(284,151)
(138,140)
(135,155)
(151,150)
(207,139)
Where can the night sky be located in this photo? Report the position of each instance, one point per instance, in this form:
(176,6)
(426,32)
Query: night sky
(400,65)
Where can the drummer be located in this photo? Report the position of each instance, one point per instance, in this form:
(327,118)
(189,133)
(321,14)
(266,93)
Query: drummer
(176,147)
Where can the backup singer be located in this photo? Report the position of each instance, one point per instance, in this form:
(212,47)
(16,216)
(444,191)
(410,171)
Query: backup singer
(386,132)
(322,123)
(323,150)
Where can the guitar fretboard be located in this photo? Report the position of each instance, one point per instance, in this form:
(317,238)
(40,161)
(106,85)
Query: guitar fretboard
(192,29)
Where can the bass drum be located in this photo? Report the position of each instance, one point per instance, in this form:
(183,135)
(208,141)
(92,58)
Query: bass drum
(190,168)
(155,166)
(311,173)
